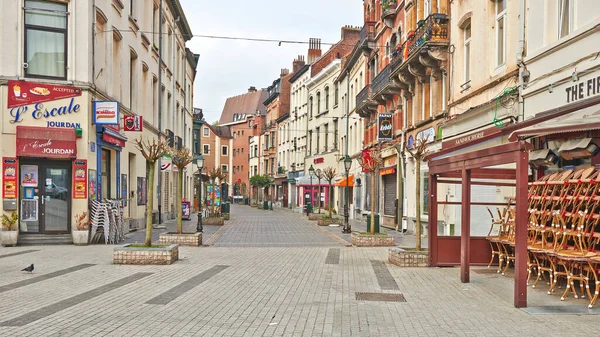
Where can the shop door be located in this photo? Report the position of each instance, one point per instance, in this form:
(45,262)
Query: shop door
(45,197)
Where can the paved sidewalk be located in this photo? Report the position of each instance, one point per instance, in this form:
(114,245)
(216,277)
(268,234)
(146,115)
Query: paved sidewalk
(189,226)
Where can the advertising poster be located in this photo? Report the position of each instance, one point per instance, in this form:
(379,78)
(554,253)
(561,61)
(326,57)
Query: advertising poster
(106,113)
(29,176)
(124,189)
(185,209)
(141,191)
(92,184)
(22,93)
(9,177)
(385,127)
(80,179)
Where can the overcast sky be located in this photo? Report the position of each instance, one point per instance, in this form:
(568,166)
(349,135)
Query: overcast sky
(227,68)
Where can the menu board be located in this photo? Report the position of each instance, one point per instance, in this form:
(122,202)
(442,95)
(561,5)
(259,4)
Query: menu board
(9,177)
(80,179)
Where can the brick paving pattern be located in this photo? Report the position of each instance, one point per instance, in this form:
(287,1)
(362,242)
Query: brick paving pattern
(274,286)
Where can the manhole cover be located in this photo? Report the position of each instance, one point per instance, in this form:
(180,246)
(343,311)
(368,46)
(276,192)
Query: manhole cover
(486,271)
(380,297)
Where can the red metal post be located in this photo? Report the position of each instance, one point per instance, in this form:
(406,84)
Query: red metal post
(520,296)
(465,228)
(433,219)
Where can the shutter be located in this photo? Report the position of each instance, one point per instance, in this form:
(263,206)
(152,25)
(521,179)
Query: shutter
(368,191)
(389,194)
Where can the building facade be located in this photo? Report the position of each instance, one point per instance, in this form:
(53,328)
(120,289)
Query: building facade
(76,104)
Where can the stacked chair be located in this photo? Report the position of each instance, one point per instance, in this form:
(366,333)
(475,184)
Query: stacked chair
(563,232)
(109,216)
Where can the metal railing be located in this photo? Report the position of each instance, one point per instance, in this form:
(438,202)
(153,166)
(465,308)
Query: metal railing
(381,80)
(434,27)
(363,95)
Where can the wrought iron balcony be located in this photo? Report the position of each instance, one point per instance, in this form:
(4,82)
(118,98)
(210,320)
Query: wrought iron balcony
(367,37)
(363,102)
(381,81)
(433,29)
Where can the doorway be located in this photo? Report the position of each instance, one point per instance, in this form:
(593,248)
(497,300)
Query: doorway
(45,196)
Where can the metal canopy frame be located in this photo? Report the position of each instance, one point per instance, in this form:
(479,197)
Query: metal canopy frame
(477,165)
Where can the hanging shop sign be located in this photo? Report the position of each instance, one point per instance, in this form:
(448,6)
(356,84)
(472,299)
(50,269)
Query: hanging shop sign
(106,113)
(319,160)
(166,164)
(366,159)
(22,93)
(10,167)
(80,179)
(43,142)
(384,121)
(410,142)
(132,123)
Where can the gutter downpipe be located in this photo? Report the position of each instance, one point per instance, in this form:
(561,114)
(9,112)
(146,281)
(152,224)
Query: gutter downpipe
(520,59)
(160,50)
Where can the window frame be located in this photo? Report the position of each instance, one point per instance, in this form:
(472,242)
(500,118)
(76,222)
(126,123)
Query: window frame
(205,132)
(224,168)
(467,44)
(64,31)
(204,148)
(570,8)
(500,17)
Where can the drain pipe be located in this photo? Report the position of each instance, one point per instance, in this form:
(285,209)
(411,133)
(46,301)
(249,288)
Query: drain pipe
(523,72)
(160,51)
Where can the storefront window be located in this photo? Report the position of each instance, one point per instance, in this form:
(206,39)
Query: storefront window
(106,178)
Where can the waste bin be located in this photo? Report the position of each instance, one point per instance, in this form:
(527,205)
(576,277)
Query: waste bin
(265,204)
(308,209)
(376,223)
(225,207)
(246,201)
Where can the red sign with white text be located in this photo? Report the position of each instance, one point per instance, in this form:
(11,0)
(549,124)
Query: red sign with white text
(22,93)
(132,123)
(43,142)
(10,167)
(80,179)
(366,158)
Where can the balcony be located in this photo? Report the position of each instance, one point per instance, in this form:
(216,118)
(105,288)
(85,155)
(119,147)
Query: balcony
(367,37)
(383,87)
(389,11)
(364,104)
(425,48)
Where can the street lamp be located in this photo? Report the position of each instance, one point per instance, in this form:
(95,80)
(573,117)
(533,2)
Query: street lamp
(311,171)
(200,165)
(319,175)
(293,166)
(347,228)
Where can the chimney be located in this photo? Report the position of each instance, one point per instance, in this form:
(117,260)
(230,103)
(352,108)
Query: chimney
(298,63)
(284,72)
(252,89)
(349,31)
(314,50)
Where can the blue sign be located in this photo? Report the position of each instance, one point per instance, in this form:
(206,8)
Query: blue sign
(411,142)
(92,147)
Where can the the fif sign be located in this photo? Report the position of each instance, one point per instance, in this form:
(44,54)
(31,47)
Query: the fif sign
(385,127)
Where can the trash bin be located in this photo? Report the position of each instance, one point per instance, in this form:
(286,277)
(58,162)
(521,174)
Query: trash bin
(246,201)
(265,204)
(225,207)
(376,223)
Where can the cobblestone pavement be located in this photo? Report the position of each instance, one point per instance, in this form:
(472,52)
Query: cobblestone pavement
(279,289)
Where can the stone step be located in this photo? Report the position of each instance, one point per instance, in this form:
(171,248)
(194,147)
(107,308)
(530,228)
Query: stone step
(44,239)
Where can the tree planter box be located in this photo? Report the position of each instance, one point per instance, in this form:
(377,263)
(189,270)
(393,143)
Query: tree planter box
(368,240)
(313,216)
(213,221)
(185,239)
(327,222)
(138,255)
(408,258)
(9,238)
(80,238)
(254,205)
(226,216)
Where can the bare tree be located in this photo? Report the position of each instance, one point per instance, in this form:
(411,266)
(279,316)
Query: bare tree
(329,174)
(418,153)
(152,151)
(371,165)
(181,158)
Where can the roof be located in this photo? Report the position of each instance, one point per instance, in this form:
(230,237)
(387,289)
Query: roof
(248,103)
(222,131)
(582,120)
(182,23)
(299,73)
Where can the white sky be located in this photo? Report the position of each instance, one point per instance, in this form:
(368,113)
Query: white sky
(227,68)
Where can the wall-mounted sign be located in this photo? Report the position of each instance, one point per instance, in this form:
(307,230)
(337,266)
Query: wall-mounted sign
(319,160)
(80,179)
(387,170)
(38,111)
(106,113)
(44,142)
(472,137)
(63,125)
(390,161)
(583,89)
(10,166)
(366,158)
(428,135)
(21,93)
(132,123)
(410,142)
(384,121)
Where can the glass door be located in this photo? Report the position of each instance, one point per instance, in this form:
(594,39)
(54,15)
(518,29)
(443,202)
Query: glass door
(56,199)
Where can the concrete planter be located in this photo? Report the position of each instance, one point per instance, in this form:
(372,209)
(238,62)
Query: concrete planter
(80,238)
(254,205)
(407,258)
(9,238)
(213,221)
(185,239)
(368,240)
(226,216)
(314,217)
(141,256)
(327,222)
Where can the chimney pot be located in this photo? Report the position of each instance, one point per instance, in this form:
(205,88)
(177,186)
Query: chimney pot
(252,89)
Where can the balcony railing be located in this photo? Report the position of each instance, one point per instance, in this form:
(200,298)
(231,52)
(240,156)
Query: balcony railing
(433,28)
(363,96)
(381,80)
(367,36)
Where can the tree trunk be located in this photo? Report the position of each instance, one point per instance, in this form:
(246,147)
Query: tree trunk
(329,198)
(418,198)
(372,202)
(179,200)
(150,204)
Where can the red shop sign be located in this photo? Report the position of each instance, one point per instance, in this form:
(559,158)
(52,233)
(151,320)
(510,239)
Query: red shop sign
(10,167)
(44,142)
(80,179)
(22,93)
(113,140)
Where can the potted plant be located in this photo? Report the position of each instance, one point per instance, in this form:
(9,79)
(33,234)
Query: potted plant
(81,232)
(10,232)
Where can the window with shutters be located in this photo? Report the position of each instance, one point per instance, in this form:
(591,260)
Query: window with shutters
(389,194)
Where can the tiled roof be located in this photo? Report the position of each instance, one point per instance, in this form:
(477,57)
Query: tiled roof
(247,103)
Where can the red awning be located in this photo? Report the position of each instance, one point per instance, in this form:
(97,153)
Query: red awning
(343,181)
(46,142)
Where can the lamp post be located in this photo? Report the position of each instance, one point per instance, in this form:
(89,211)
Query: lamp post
(319,175)
(200,165)
(311,171)
(347,165)
(293,166)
